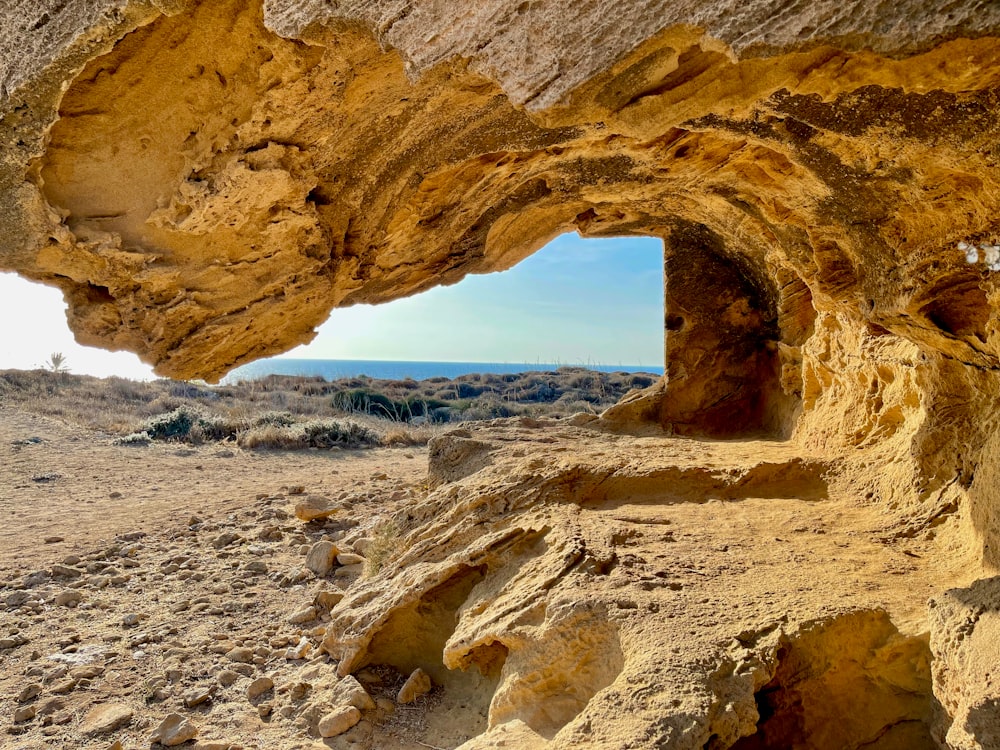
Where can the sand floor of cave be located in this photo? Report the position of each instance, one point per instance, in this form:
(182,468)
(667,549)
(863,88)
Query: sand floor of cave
(76,485)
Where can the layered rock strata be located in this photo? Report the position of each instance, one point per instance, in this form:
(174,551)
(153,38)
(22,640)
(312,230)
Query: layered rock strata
(205,181)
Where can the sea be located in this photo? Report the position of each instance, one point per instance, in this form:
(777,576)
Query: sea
(334,369)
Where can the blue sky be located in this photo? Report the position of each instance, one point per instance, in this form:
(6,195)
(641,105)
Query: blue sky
(575,301)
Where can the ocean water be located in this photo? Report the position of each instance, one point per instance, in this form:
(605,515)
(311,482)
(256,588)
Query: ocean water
(332,369)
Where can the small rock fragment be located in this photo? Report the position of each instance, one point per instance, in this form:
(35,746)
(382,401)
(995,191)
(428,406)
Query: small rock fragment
(321,556)
(259,686)
(339,721)
(313,507)
(225,539)
(105,718)
(227,677)
(349,691)
(174,730)
(303,615)
(417,684)
(68,598)
(30,691)
(327,599)
(240,654)
(300,650)
(349,558)
(64,571)
(198,695)
(54,539)
(24,713)
(130,620)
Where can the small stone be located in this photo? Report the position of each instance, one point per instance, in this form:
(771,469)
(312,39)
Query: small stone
(24,713)
(240,654)
(65,686)
(105,718)
(349,691)
(87,672)
(313,507)
(198,695)
(225,539)
(64,571)
(72,560)
(259,686)
(339,721)
(68,598)
(321,556)
(54,539)
(174,730)
(227,677)
(130,620)
(30,691)
(349,558)
(327,599)
(417,684)
(303,615)
(12,642)
(300,650)
(256,567)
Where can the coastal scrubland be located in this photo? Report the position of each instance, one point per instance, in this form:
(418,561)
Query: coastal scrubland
(289,412)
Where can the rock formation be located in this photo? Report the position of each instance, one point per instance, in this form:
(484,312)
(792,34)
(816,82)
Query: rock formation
(205,181)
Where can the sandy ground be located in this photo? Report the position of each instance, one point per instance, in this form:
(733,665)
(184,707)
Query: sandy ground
(141,582)
(136,532)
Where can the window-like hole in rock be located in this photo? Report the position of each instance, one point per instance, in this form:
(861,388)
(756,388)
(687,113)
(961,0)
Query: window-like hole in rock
(595,303)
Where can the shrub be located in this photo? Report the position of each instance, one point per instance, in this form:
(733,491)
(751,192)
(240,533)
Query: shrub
(189,423)
(327,433)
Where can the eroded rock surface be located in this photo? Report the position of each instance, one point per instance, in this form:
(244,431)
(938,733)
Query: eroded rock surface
(205,181)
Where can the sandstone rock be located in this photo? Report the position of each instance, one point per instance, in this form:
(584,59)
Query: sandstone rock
(258,687)
(321,557)
(303,615)
(338,721)
(314,507)
(965,628)
(24,713)
(240,654)
(64,571)
(327,599)
(417,684)
(175,729)
(350,558)
(198,695)
(69,598)
(227,677)
(349,692)
(28,692)
(105,718)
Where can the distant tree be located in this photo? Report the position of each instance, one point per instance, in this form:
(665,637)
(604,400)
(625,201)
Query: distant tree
(57,362)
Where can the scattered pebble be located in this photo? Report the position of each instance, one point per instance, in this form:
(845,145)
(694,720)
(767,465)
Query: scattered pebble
(321,557)
(259,686)
(174,730)
(105,718)
(417,684)
(338,721)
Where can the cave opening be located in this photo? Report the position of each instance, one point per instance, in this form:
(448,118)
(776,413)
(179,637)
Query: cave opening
(847,683)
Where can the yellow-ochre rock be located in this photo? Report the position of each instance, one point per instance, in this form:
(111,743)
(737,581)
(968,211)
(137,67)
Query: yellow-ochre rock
(205,181)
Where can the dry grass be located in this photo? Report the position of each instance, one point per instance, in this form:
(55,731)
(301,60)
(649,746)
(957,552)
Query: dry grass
(288,413)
